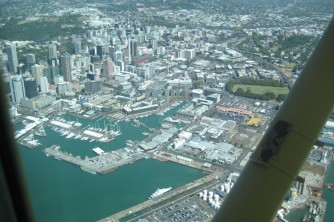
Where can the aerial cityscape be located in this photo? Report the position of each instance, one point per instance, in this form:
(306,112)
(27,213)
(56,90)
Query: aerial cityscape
(148,110)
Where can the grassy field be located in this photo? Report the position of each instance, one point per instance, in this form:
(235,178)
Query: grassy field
(262,89)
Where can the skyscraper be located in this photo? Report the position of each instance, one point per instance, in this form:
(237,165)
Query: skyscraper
(2,60)
(17,89)
(154,44)
(65,67)
(37,72)
(44,84)
(30,87)
(12,58)
(133,47)
(108,69)
(77,46)
(52,51)
(31,60)
(99,51)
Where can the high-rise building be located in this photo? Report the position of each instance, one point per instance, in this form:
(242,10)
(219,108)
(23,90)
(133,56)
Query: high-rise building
(65,67)
(118,55)
(31,60)
(2,60)
(120,63)
(44,84)
(30,87)
(17,89)
(112,50)
(54,72)
(12,58)
(154,44)
(47,73)
(77,47)
(99,51)
(52,51)
(133,47)
(21,69)
(108,69)
(85,62)
(37,72)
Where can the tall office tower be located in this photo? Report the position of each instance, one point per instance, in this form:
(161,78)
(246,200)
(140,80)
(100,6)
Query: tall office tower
(37,72)
(92,51)
(65,67)
(12,58)
(31,60)
(112,50)
(52,51)
(120,63)
(30,87)
(21,69)
(2,60)
(44,84)
(108,68)
(17,89)
(47,73)
(154,44)
(85,62)
(77,46)
(78,62)
(99,51)
(118,55)
(129,51)
(133,47)
(55,71)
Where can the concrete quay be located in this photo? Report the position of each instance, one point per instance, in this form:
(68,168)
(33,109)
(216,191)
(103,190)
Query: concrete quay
(163,156)
(158,202)
(104,163)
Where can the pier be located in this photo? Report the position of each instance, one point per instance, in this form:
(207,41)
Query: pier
(139,210)
(102,164)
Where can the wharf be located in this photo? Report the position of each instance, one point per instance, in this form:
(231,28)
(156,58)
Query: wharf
(162,156)
(156,203)
(105,163)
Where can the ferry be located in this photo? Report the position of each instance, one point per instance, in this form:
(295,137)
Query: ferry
(159,192)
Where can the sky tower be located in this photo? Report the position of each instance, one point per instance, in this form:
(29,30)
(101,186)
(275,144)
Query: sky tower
(128,35)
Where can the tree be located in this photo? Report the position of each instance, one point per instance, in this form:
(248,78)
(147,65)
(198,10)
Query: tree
(199,84)
(281,97)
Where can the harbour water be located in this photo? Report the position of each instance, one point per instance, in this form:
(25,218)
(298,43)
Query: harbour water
(63,192)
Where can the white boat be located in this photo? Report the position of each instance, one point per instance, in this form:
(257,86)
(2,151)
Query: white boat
(77,124)
(159,192)
(169,119)
(70,135)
